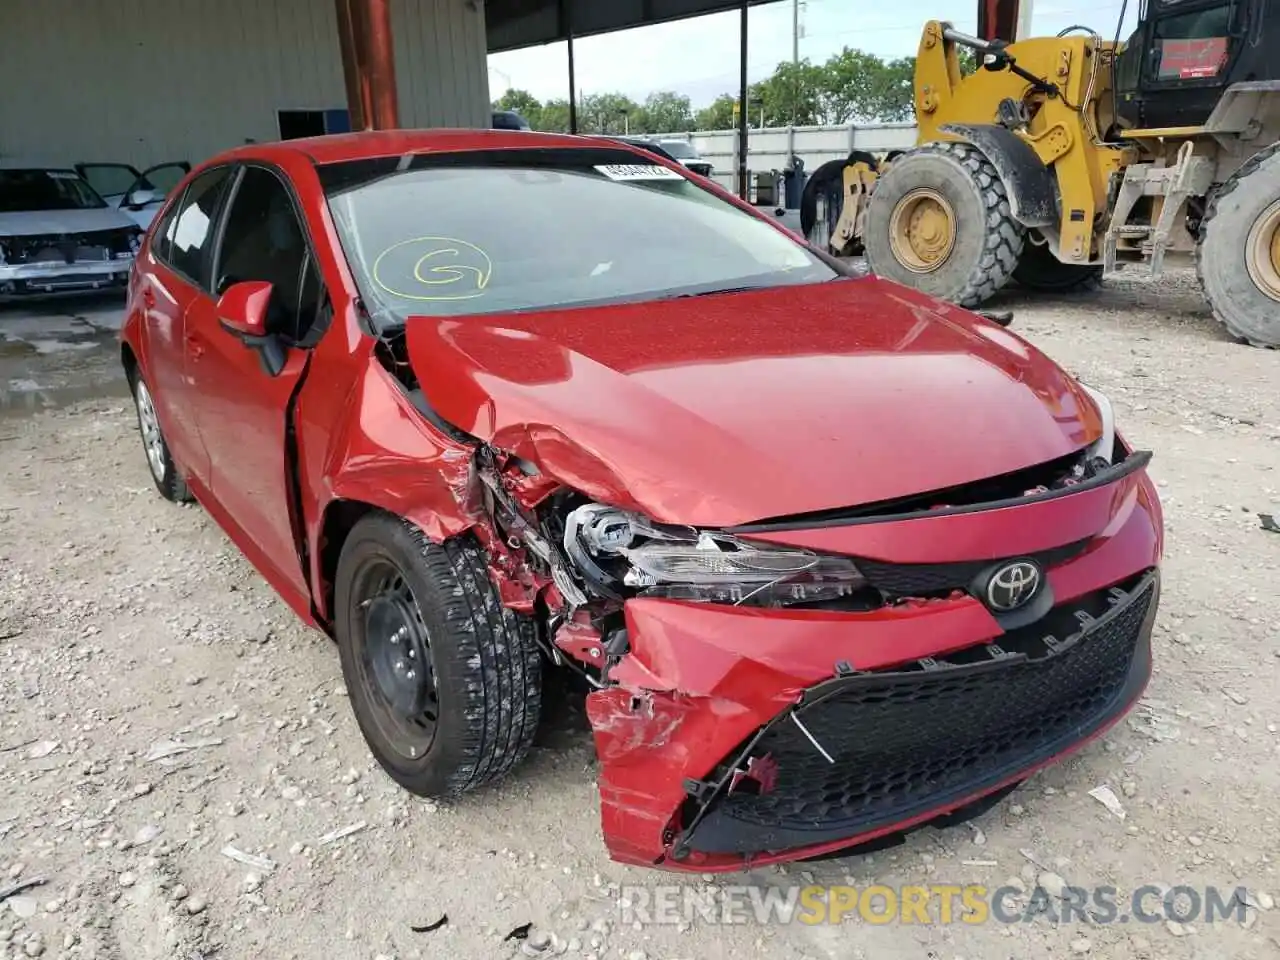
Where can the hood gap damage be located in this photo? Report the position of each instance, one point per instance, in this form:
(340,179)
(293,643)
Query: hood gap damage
(572,564)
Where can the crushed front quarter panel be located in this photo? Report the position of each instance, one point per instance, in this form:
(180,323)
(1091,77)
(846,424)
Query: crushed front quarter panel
(700,679)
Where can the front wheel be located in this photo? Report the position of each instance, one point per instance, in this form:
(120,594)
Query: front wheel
(444,680)
(1238,256)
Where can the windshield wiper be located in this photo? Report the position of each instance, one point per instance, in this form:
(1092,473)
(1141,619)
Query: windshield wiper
(719,290)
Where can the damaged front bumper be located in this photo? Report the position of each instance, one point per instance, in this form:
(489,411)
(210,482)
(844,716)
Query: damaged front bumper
(55,275)
(733,737)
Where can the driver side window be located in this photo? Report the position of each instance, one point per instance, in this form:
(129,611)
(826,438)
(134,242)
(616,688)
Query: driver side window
(264,240)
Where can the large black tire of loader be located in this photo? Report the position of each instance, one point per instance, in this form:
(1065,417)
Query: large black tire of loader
(1039,269)
(828,179)
(1248,196)
(988,240)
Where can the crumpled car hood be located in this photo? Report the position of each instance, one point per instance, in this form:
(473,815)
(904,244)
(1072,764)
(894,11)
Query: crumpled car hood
(726,409)
(39,223)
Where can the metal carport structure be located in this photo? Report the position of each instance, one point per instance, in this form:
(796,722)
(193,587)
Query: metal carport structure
(364,27)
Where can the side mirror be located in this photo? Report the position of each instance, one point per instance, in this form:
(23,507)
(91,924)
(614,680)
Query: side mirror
(242,311)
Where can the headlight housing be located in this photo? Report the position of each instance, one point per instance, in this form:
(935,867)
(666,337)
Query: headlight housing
(1105,446)
(620,553)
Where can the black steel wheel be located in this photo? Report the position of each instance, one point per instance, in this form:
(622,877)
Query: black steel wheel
(445,681)
(394,664)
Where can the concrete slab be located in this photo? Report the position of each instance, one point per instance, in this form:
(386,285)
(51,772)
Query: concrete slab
(59,350)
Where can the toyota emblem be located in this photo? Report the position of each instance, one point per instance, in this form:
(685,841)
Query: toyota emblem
(1013,585)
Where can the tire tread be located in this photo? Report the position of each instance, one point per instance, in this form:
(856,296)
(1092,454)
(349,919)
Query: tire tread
(1004,237)
(1250,168)
(491,647)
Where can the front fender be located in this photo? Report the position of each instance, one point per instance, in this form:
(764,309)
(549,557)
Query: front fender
(386,457)
(1033,196)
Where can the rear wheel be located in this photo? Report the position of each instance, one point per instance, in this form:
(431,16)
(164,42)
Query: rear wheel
(163,470)
(1238,256)
(444,680)
(1039,269)
(940,221)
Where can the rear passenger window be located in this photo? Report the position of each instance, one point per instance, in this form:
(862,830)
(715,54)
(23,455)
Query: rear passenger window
(162,236)
(188,236)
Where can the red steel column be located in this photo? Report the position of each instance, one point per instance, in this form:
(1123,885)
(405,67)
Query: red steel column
(358,102)
(368,63)
(381,64)
(998,19)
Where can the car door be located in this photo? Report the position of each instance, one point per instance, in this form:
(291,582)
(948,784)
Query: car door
(175,278)
(241,408)
(147,194)
(110,180)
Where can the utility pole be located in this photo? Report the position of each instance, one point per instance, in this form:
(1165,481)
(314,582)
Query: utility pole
(795,32)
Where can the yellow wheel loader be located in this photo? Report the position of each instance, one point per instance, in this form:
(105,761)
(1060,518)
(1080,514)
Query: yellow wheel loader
(1059,158)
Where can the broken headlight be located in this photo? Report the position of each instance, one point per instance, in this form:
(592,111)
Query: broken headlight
(620,553)
(1104,447)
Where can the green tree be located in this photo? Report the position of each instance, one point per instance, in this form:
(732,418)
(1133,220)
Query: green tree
(861,87)
(522,102)
(793,94)
(610,113)
(852,86)
(717,116)
(664,112)
(553,117)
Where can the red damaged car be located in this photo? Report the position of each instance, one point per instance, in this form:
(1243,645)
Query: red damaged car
(833,558)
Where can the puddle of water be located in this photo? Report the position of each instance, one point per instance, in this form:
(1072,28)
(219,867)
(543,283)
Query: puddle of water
(26,398)
(16,348)
(46,347)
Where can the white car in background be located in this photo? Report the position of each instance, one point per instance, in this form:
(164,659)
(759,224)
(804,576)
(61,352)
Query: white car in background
(138,194)
(58,233)
(685,152)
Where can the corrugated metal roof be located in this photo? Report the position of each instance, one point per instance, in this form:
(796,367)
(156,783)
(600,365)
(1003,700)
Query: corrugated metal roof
(524,23)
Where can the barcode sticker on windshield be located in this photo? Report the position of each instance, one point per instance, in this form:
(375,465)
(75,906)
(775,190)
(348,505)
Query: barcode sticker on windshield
(637,171)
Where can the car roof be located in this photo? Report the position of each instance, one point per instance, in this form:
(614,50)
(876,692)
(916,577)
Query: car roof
(373,144)
(15,164)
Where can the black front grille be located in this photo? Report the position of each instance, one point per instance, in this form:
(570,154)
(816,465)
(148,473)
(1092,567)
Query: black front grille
(913,740)
(69,248)
(918,579)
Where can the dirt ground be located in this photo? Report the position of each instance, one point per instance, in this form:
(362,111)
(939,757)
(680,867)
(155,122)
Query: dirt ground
(161,709)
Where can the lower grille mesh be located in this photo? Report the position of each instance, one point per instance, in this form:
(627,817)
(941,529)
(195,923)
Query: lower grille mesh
(906,742)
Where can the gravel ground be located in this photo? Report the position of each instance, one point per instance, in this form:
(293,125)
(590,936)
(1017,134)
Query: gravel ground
(161,712)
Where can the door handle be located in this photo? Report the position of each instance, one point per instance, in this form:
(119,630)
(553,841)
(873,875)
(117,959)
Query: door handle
(195,347)
(148,297)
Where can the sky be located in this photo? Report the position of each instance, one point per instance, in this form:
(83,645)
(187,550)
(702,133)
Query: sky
(699,57)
